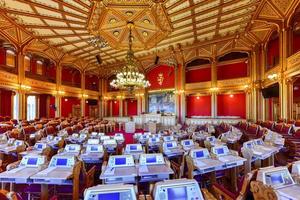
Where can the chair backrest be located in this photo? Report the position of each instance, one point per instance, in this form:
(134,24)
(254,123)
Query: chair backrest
(262,192)
(246,185)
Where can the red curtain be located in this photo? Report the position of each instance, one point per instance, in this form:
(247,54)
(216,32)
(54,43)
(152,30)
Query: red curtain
(131,107)
(115,108)
(296,42)
(2,56)
(43,105)
(198,106)
(273,53)
(6,103)
(198,75)
(52,107)
(232,105)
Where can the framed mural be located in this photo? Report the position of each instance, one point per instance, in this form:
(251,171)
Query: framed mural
(161,102)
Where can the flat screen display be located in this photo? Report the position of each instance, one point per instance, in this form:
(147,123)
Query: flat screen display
(94,148)
(220,151)
(40,146)
(169,145)
(153,139)
(120,161)
(161,102)
(32,161)
(177,193)
(199,154)
(187,143)
(259,142)
(211,139)
(71,148)
(276,178)
(133,147)
(61,162)
(109,196)
(249,145)
(151,159)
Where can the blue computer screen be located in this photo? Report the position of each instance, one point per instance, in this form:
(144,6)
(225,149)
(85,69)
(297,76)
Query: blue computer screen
(220,151)
(199,154)
(71,148)
(249,145)
(109,196)
(276,178)
(259,142)
(61,162)
(120,161)
(151,159)
(186,143)
(178,193)
(169,145)
(40,146)
(153,139)
(94,148)
(211,139)
(32,161)
(133,147)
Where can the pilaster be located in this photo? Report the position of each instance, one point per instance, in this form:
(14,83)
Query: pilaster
(214,86)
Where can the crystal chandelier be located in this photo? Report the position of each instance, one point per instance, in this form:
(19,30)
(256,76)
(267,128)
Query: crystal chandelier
(130,78)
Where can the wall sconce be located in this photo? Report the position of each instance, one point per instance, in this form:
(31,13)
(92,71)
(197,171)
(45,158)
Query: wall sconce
(272,76)
(106,98)
(25,87)
(85,96)
(120,97)
(179,91)
(231,95)
(214,89)
(139,94)
(197,97)
(60,92)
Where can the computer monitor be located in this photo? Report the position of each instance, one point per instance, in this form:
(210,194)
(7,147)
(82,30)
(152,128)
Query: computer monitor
(169,145)
(32,161)
(220,150)
(39,146)
(61,162)
(120,161)
(199,154)
(178,189)
(94,148)
(107,192)
(133,147)
(151,159)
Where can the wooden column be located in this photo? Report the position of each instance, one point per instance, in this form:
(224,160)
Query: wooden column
(261,100)
(21,97)
(283,89)
(83,97)
(214,86)
(121,107)
(58,87)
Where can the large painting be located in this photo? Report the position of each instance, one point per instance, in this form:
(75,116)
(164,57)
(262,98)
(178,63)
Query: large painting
(162,102)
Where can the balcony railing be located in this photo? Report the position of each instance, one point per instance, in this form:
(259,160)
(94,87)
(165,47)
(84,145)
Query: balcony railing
(40,77)
(71,84)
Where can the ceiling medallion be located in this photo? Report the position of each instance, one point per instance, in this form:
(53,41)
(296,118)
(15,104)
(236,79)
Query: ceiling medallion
(147,30)
(130,78)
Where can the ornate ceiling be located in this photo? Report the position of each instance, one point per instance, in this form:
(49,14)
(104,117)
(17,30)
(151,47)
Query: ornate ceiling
(61,29)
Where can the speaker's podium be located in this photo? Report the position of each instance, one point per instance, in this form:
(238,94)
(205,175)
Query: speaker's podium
(130,127)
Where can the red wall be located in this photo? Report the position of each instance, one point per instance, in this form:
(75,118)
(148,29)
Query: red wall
(198,75)
(234,70)
(51,110)
(198,106)
(91,82)
(131,107)
(232,106)
(71,76)
(2,56)
(296,42)
(43,105)
(115,107)
(66,106)
(168,74)
(87,110)
(272,52)
(6,102)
